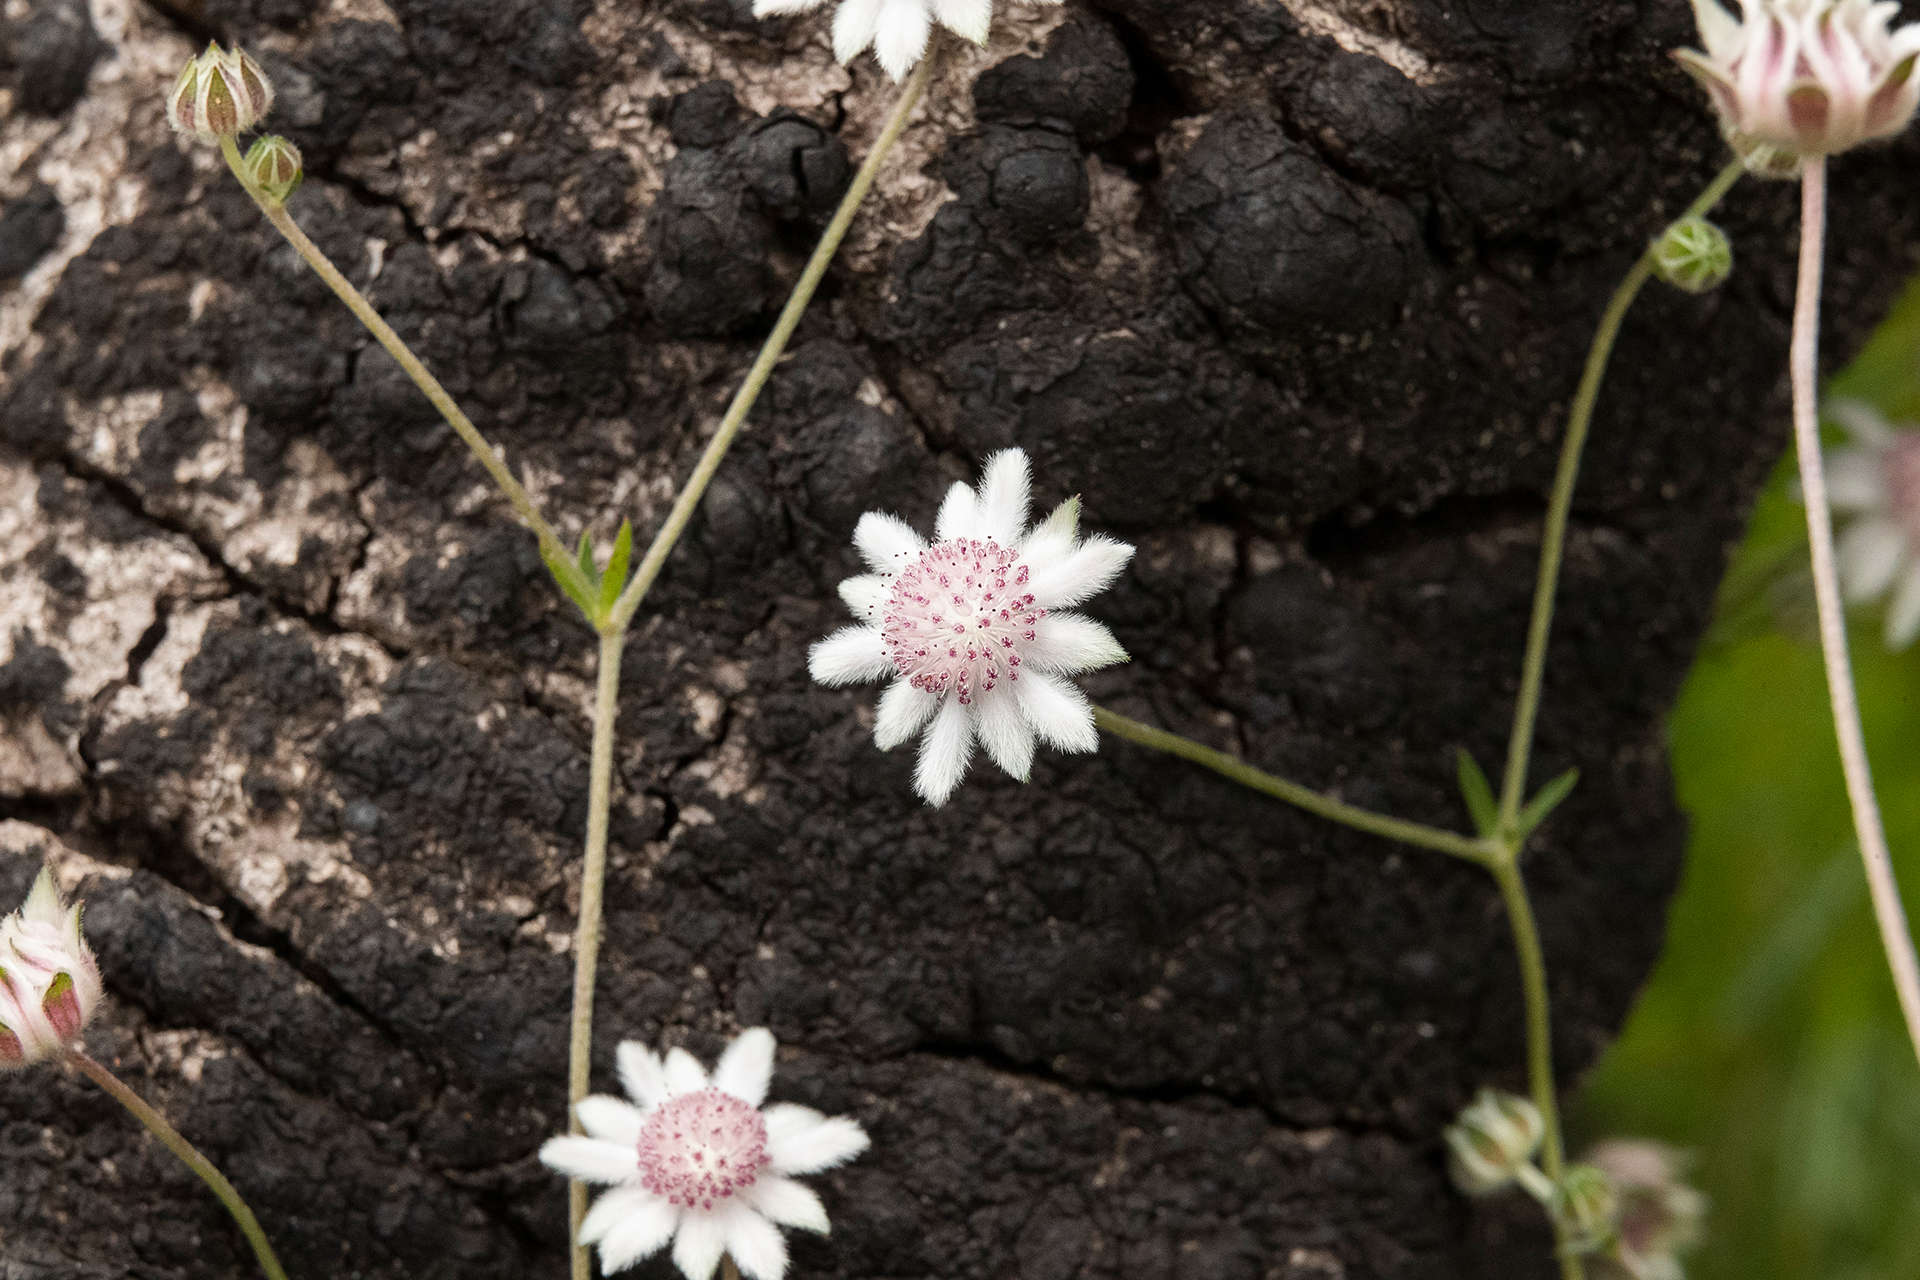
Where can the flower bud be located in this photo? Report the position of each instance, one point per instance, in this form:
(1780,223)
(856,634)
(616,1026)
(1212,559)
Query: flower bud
(1694,255)
(219,94)
(49,981)
(273,165)
(1494,1138)
(1660,1215)
(1587,1207)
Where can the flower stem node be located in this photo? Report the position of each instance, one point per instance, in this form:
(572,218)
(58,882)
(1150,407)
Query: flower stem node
(1493,1141)
(49,981)
(1798,78)
(220,94)
(1694,255)
(1586,1204)
(273,165)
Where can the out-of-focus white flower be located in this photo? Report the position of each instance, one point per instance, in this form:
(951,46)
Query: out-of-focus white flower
(1805,77)
(696,1161)
(974,628)
(1877,478)
(896,30)
(1491,1145)
(1660,1216)
(49,981)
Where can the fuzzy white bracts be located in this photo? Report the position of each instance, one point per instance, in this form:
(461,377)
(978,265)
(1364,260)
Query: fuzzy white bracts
(1877,478)
(974,629)
(896,30)
(698,1162)
(1793,78)
(49,981)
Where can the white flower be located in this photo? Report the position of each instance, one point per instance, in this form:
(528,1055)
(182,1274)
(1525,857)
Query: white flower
(975,630)
(1878,477)
(697,1162)
(896,30)
(49,981)
(1805,77)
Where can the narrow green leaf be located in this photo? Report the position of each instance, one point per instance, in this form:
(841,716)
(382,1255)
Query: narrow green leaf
(614,581)
(1546,799)
(566,575)
(1479,795)
(587,571)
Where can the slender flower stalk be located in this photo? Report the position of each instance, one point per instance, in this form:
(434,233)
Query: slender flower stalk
(1895,936)
(189,1156)
(612,623)
(1553,536)
(554,550)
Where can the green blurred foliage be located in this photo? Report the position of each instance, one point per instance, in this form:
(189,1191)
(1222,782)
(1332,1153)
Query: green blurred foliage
(1769,1040)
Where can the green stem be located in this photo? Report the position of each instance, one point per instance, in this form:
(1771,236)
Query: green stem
(556,551)
(586,945)
(1533,981)
(170,1137)
(1553,538)
(1293,793)
(776,344)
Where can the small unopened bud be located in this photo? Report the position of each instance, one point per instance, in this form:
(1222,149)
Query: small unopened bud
(1492,1141)
(219,94)
(1587,1207)
(273,164)
(49,981)
(1694,255)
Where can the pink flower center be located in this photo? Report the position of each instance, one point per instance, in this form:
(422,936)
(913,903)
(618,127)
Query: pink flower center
(958,617)
(701,1148)
(1900,470)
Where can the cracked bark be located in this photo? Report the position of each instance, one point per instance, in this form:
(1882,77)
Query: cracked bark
(283,694)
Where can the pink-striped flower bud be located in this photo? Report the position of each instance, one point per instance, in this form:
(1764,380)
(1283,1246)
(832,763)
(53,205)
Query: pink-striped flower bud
(219,94)
(49,981)
(1795,78)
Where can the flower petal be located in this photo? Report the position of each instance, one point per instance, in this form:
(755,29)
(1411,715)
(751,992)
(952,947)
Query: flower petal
(702,1239)
(801,1140)
(1005,488)
(617,1205)
(853,27)
(1719,30)
(770,8)
(1068,643)
(1855,481)
(959,514)
(788,1203)
(1903,615)
(901,40)
(867,595)
(968,19)
(851,655)
(746,1068)
(945,753)
(637,1234)
(904,711)
(590,1159)
(887,543)
(1058,711)
(641,1074)
(1052,540)
(1085,572)
(1863,422)
(1868,558)
(610,1119)
(684,1073)
(754,1242)
(1005,732)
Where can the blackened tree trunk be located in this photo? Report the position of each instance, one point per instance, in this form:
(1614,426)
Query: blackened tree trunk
(1295,294)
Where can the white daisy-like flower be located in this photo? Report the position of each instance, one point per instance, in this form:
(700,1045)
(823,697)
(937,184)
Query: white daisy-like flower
(1877,478)
(698,1162)
(974,628)
(896,30)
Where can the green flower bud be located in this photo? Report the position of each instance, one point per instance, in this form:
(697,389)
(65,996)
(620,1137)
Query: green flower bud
(1494,1138)
(219,94)
(1587,1207)
(273,164)
(1694,255)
